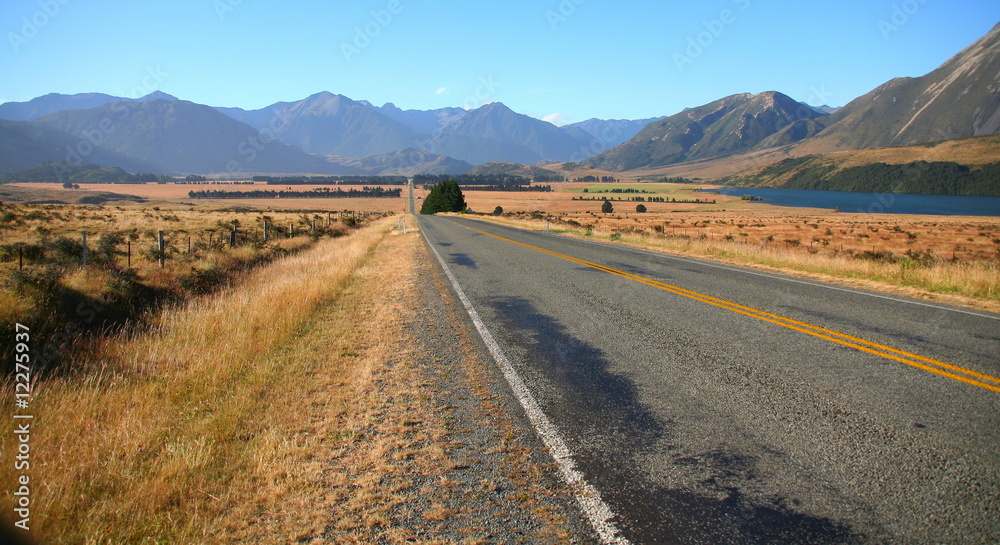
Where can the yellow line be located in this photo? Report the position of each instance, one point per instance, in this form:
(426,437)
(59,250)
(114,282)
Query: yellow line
(941,368)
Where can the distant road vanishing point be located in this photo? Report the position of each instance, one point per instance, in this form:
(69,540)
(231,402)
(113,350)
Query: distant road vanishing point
(713,404)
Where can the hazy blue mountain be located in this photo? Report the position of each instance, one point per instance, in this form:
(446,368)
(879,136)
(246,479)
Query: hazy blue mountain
(329,124)
(56,102)
(182,137)
(728,126)
(423,121)
(494,132)
(25,144)
(612,132)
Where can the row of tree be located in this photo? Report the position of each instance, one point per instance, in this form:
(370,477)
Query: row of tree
(324,193)
(472,179)
(332,180)
(540,188)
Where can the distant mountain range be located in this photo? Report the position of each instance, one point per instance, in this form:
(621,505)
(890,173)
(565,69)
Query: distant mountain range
(728,126)
(959,99)
(328,133)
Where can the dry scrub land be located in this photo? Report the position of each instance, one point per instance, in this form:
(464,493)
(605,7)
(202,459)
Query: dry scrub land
(329,396)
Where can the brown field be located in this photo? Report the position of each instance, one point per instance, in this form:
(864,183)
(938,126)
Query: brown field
(822,231)
(178,193)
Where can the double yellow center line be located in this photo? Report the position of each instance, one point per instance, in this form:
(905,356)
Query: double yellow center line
(944,369)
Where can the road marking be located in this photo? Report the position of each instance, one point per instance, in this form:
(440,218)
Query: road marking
(588,497)
(706,263)
(941,368)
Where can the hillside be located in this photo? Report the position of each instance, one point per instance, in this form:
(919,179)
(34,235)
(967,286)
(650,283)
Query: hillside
(513,169)
(406,162)
(26,144)
(959,99)
(728,126)
(956,167)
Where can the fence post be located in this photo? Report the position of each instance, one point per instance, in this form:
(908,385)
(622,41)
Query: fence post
(129,253)
(160,246)
(84,249)
(265,231)
(189,244)
(232,237)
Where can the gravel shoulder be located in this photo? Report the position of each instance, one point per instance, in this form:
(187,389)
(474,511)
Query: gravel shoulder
(437,449)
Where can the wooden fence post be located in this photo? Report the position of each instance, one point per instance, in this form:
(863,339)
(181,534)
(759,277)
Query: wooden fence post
(265,231)
(129,253)
(84,249)
(160,246)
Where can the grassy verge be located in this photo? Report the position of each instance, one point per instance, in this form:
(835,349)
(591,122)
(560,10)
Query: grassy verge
(975,284)
(200,430)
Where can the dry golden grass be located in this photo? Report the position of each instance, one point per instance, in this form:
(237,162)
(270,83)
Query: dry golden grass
(195,432)
(160,194)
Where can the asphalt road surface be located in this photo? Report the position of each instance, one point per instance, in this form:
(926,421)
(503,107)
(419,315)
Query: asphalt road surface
(710,404)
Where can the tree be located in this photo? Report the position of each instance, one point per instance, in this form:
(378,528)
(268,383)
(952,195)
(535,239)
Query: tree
(640,208)
(68,185)
(607,207)
(444,197)
(498,210)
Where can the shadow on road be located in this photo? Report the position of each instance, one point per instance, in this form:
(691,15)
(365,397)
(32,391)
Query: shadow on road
(610,432)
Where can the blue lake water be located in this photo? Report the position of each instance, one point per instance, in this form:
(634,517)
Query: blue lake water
(873,203)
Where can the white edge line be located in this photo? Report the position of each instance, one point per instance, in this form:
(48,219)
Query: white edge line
(771,276)
(588,497)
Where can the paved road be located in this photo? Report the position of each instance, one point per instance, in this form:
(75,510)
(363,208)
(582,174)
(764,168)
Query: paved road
(752,408)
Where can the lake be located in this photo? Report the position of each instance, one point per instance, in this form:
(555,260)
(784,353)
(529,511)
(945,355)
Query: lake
(873,203)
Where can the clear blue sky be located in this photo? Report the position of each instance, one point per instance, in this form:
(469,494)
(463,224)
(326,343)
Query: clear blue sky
(567,60)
